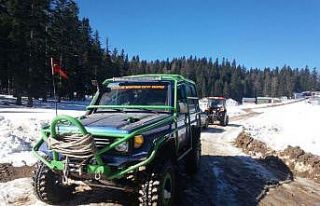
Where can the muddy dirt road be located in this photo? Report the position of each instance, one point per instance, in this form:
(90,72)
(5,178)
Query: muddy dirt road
(230,177)
(227,177)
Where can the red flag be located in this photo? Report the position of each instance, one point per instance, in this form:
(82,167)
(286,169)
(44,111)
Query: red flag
(56,69)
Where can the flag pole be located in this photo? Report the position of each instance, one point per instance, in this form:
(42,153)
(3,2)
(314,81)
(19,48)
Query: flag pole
(54,86)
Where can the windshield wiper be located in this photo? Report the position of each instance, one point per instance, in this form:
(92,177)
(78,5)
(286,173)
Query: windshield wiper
(149,110)
(115,109)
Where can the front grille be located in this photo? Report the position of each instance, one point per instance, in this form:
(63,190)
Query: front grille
(102,142)
(75,165)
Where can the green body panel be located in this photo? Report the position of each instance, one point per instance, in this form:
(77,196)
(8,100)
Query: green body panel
(59,165)
(101,167)
(98,169)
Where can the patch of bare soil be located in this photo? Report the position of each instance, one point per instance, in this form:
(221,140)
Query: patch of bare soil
(251,146)
(304,164)
(8,172)
(298,192)
(301,163)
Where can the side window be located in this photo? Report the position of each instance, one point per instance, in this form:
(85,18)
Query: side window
(191,92)
(181,94)
(194,94)
(185,91)
(182,98)
(188,90)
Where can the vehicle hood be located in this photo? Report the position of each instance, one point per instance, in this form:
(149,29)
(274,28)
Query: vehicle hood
(120,123)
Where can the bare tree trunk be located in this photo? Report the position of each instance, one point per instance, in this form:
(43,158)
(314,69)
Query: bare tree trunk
(30,69)
(18,102)
(30,101)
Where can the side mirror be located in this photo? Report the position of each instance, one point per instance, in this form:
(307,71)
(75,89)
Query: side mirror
(97,84)
(94,82)
(183,108)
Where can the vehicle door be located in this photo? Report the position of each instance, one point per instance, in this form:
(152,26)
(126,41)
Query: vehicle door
(193,105)
(183,120)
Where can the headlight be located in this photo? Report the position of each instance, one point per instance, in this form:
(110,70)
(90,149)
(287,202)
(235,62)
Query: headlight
(123,147)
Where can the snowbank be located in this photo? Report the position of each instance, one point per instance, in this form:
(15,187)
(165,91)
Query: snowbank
(293,124)
(231,103)
(18,192)
(20,128)
(233,108)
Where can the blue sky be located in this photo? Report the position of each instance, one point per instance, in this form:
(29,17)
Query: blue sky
(254,32)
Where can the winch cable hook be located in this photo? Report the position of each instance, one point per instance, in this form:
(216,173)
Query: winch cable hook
(65,171)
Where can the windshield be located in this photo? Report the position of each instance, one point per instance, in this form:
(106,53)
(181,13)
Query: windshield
(216,102)
(133,94)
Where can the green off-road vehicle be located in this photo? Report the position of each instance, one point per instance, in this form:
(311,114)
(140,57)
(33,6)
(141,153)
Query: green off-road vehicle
(136,131)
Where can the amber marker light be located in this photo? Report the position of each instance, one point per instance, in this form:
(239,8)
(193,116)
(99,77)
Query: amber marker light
(138,141)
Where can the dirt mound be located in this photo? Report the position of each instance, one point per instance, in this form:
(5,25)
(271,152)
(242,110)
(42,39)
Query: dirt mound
(9,172)
(300,163)
(252,146)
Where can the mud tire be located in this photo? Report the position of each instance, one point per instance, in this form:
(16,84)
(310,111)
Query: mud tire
(225,120)
(6,172)
(206,125)
(48,187)
(194,157)
(159,188)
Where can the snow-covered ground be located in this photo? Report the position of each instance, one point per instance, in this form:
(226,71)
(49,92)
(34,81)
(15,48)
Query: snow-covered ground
(18,192)
(293,124)
(20,128)
(235,111)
